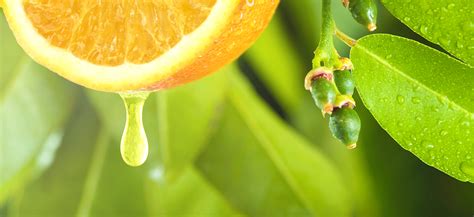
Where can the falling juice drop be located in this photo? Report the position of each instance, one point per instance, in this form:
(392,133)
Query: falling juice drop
(134,144)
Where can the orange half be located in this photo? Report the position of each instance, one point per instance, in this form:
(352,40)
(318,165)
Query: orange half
(133,45)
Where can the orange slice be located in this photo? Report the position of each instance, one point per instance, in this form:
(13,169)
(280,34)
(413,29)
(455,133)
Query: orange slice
(135,45)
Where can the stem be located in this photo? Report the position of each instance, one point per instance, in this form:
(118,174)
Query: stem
(326,55)
(345,38)
(327,25)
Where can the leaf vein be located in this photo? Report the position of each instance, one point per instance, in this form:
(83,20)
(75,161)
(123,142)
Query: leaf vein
(274,156)
(93,176)
(387,64)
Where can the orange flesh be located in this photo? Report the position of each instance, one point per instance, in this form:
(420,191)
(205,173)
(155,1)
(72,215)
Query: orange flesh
(112,32)
(247,22)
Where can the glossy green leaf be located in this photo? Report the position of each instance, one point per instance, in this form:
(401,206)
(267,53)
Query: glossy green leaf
(34,104)
(186,118)
(448,23)
(422,97)
(287,176)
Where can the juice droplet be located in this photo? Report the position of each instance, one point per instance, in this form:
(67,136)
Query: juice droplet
(134,144)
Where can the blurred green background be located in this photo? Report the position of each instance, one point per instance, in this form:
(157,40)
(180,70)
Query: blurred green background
(246,141)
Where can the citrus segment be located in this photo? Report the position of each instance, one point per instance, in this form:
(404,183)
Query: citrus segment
(112,32)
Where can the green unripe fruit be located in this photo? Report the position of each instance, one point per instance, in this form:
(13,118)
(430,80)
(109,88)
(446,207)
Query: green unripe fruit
(364,12)
(344,82)
(344,124)
(324,94)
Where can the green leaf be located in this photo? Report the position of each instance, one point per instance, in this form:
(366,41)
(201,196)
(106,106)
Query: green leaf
(68,177)
(34,104)
(303,16)
(277,69)
(352,164)
(186,117)
(422,97)
(448,23)
(11,53)
(111,111)
(89,178)
(263,168)
(190,196)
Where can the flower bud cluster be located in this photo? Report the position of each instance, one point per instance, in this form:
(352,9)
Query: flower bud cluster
(332,92)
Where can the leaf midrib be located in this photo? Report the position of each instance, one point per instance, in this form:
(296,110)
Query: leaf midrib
(403,74)
(162,112)
(256,130)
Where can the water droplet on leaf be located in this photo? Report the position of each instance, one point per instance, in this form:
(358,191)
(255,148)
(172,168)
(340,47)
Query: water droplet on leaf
(415,100)
(465,123)
(400,99)
(468,169)
(444,41)
(424,29)
(428,145)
